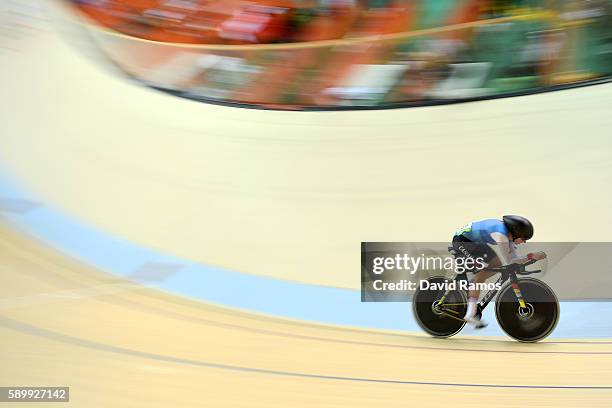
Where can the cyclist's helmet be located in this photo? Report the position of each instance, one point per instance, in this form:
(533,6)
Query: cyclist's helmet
(519,227)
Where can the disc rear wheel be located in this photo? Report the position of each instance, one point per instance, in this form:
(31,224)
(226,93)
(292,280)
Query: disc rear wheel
(439,319)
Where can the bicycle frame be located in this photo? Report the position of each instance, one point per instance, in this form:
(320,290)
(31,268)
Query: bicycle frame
(508,272)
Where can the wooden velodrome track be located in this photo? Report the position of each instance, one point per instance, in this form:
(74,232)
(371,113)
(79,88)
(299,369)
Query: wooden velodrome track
(119,345)
(199,181)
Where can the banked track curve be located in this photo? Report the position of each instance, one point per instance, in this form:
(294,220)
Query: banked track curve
(105,337)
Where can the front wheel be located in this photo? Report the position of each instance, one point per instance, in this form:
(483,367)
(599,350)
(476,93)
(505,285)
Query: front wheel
(534,322)
(439,319)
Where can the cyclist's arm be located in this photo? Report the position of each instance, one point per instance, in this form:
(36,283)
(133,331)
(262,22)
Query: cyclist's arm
(506,251)
(503,248)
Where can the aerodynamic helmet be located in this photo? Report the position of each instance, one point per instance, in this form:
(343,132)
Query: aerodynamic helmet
(519,227)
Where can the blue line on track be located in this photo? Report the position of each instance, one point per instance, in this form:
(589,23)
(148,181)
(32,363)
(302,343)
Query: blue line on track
(252,293)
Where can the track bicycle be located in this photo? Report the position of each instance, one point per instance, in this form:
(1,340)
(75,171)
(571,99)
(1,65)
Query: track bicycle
(526,308)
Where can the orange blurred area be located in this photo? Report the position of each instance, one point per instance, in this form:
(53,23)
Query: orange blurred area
(290,54)
(223,21)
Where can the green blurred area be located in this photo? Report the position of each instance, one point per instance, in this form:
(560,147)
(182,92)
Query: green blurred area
(436,50)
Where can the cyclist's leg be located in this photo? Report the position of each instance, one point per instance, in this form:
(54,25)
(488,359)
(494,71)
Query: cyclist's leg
(483,275)
(483,251)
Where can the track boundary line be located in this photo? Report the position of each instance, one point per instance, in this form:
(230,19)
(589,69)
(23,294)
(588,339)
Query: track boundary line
(49,334)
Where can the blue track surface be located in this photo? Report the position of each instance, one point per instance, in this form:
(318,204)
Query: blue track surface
(248,292)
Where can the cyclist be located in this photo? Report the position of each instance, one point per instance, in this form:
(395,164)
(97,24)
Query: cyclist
(495,242)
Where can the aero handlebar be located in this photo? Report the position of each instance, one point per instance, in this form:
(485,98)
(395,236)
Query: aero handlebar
(519,269)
